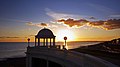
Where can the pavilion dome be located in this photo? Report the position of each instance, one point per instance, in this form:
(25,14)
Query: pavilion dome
(45,33)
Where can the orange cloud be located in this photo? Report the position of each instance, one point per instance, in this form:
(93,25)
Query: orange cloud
(107,25)
(112,24)
(72,22)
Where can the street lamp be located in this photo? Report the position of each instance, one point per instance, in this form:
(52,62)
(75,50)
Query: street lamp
(65,38)
(28,42)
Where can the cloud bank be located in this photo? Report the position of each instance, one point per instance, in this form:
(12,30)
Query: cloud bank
(107,25)
(78,21)
(90,21)
(72,22)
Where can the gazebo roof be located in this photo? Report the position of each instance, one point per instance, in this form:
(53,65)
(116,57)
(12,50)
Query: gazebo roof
(45,33)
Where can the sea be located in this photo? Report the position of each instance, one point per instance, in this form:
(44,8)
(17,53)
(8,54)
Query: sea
(18,49)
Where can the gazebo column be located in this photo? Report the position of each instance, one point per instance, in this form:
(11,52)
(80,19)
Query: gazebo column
(41,41)
(44,42)
(35,41)
(47,42)
(38,41)
(50,42)
(54,41)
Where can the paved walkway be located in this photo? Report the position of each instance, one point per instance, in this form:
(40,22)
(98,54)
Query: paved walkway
(68,58)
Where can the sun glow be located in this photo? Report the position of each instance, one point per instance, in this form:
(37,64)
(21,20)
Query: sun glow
(62,33)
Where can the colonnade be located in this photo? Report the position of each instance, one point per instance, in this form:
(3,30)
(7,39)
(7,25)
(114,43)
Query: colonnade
(44,41)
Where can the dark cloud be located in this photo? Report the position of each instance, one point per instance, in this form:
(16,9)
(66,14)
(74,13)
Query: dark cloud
(92,17)
(107,25)
(43,24)
(37,24)
(8,37)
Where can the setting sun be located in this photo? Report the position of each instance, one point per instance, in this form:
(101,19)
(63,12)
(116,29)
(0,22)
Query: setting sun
(62,33)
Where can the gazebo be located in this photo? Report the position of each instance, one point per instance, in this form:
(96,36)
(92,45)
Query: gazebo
(45,37)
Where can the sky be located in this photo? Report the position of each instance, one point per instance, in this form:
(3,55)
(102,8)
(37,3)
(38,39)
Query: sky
(79,20)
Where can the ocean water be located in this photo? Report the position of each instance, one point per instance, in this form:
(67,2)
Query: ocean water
(18,49)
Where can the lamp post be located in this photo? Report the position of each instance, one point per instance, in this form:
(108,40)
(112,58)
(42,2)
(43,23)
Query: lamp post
(28,42)
(65,38)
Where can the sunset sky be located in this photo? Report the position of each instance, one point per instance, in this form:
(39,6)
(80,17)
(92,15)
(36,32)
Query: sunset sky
(79,20)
